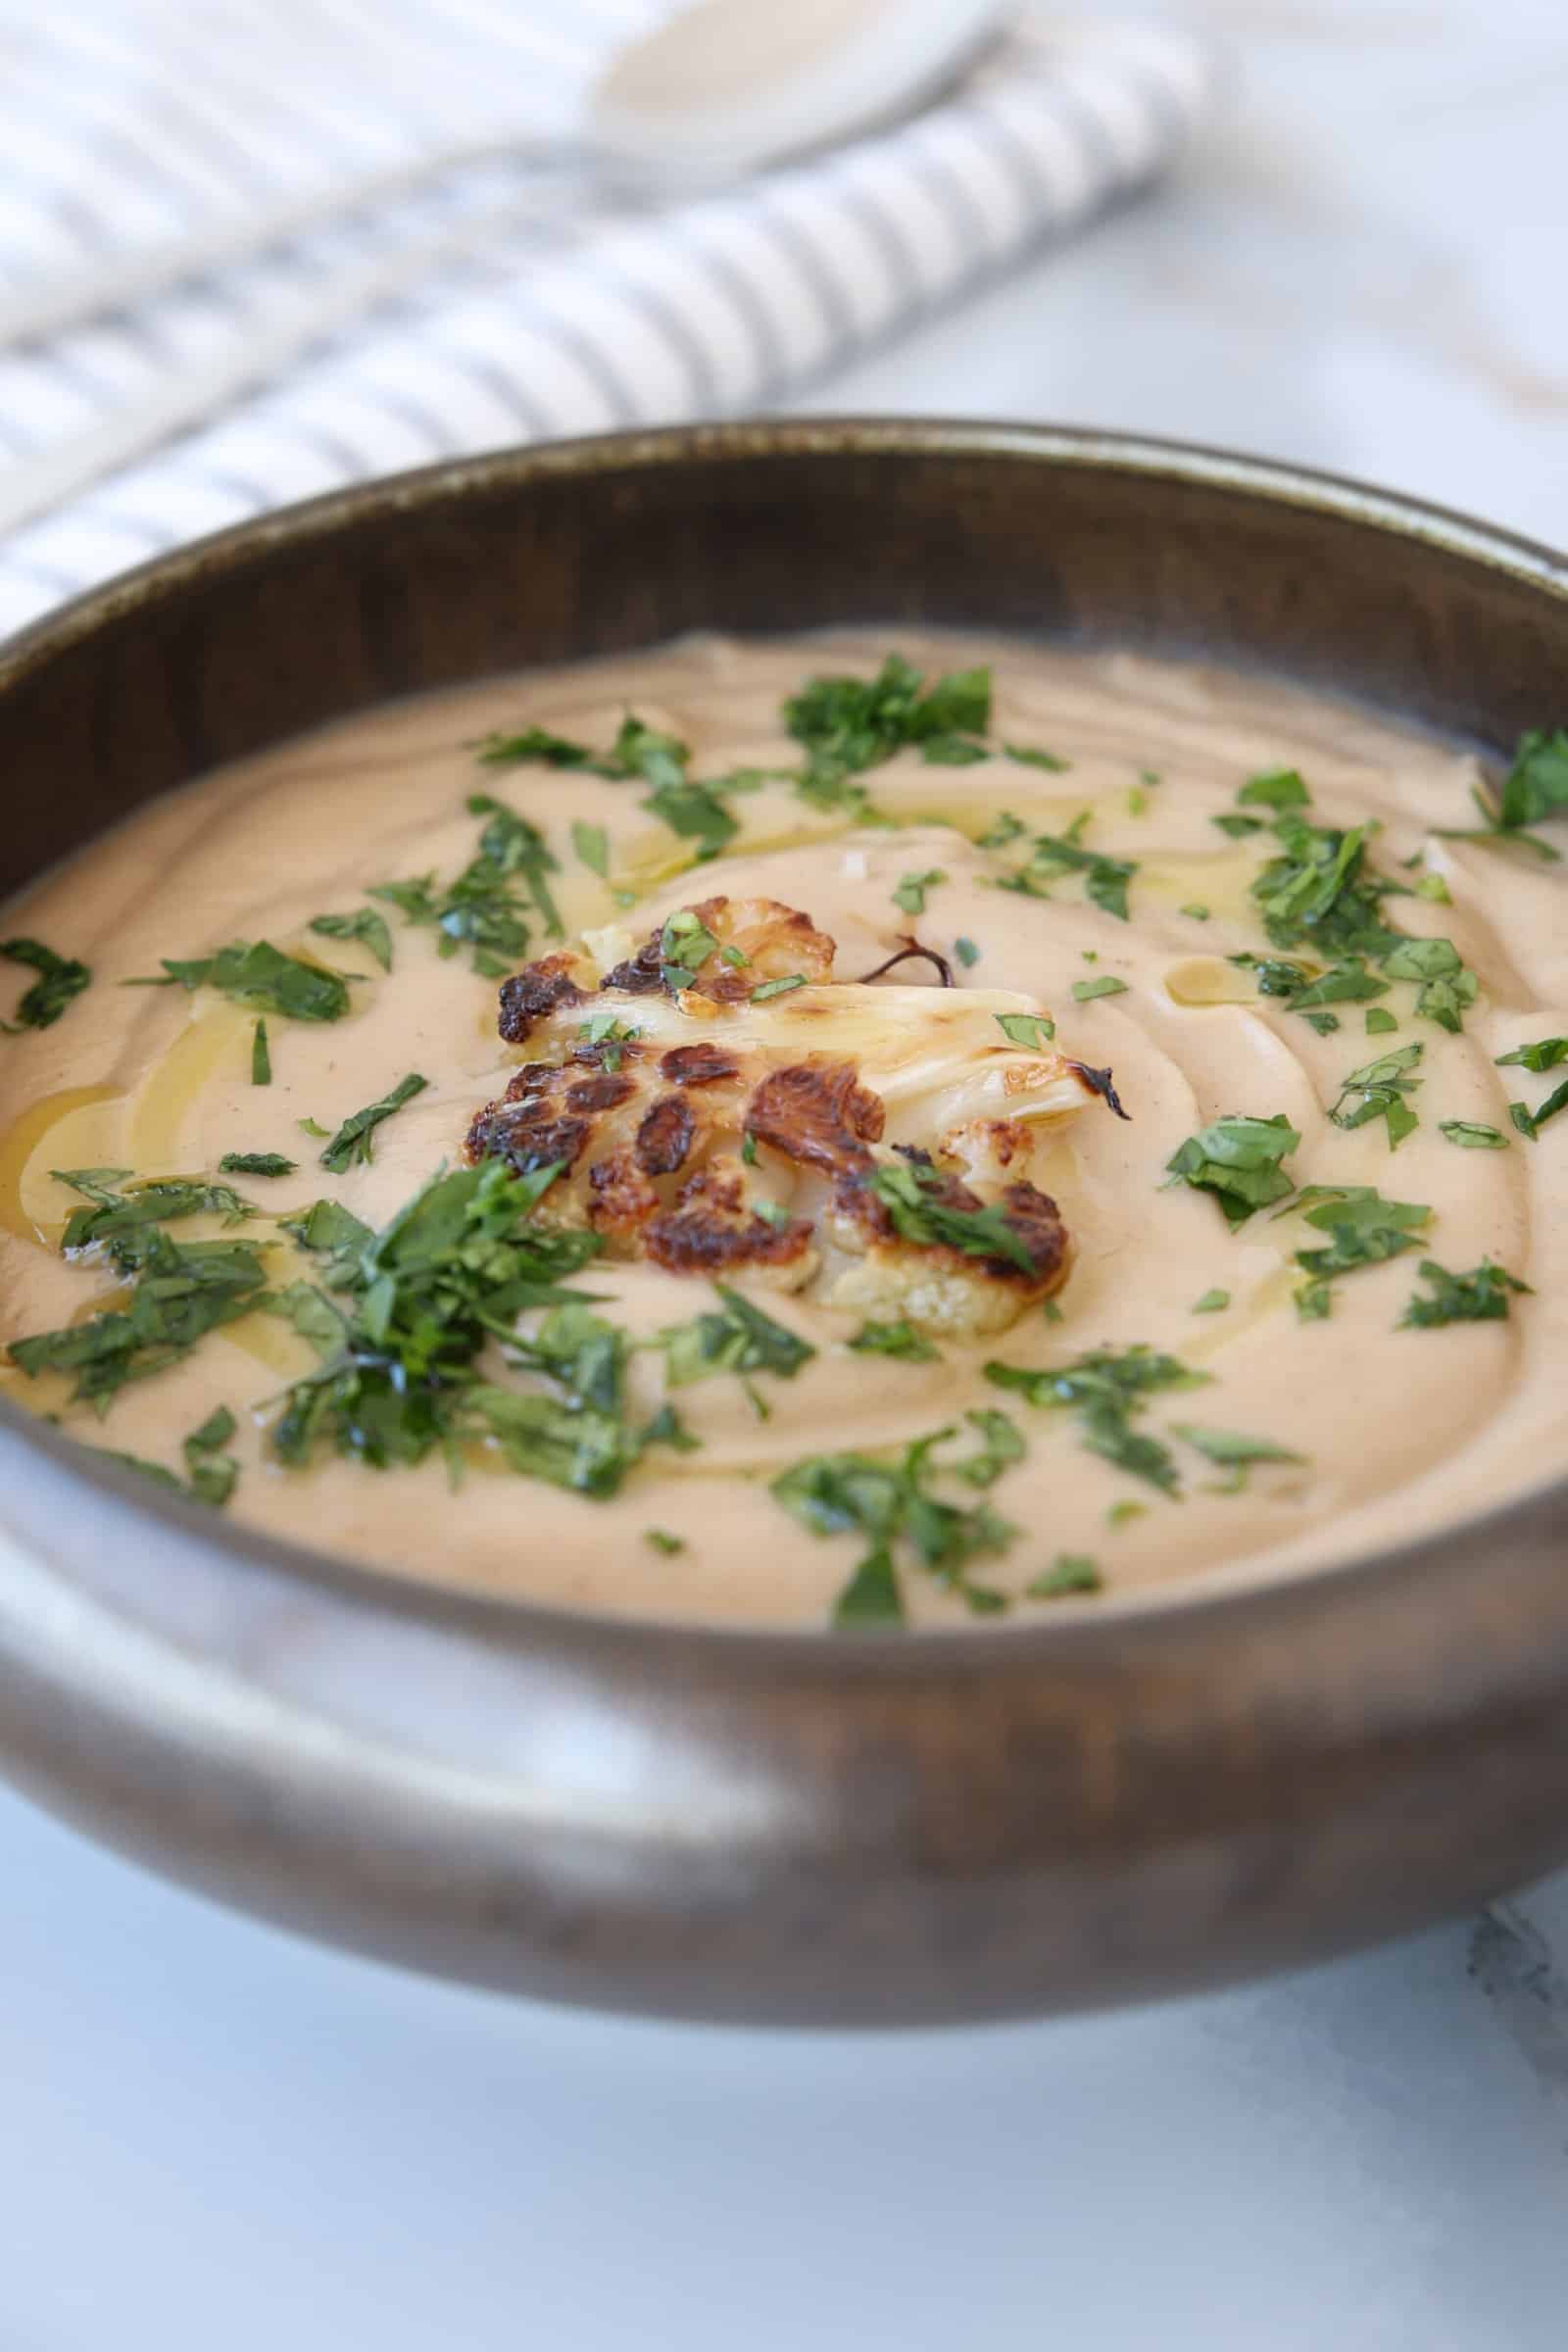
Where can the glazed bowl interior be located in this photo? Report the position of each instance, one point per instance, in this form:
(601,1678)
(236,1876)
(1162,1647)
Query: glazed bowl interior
(1237,1778)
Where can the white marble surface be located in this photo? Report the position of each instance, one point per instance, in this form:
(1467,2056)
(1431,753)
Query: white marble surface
(214,2135)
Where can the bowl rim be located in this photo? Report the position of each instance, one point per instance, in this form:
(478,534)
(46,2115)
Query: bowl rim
(1085,1632)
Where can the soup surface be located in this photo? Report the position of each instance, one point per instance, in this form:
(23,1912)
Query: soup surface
(1161,1212)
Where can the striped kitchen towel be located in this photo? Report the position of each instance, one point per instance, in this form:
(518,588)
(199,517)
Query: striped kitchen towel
(556,309)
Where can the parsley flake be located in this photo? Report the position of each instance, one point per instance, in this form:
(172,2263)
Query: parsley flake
(1377,1091)
(1364,1230)
(900,1340)
(256,1163)
(911,889)
(1070,1572)
(60,979)
(1480,1297)
(262,975)
(1229,1451)
(1535,790)
(1471,1135)
(364,925)
(889,1502)
(1034,1030)
(352,1144)
(483,909)
(1107,1390)
(1238,1160)
(592,844)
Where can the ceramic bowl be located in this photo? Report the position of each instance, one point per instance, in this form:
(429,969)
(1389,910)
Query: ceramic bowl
(779,1827)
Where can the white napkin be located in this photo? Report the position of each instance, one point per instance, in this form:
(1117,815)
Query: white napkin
(132,121)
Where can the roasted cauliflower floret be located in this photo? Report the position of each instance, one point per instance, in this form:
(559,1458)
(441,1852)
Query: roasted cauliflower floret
(928,1250)
(722,949)
(872,1141)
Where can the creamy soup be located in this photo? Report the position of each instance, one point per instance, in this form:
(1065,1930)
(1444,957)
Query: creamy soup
(1168,1185)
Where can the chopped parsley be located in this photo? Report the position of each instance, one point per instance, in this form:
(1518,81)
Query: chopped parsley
(364,925)
(1212,1303)
(1531,1122)
(1447,988)
(1278,789)
(1053,854)
(1034,1030)
(637,750)
(1364,1230)
(966,952)
(660,1538)
(739,1339)
(1198,914)
(1025,754)
(1378,1091)
(212,1476)
(684,946)
(1084,991)
(1320,892)
(1238,827)
(1070,1572)
(256,1163)
(611,1036)
(182,1291)
(1434,887)
(1347,982)
(262,975)
(667,1428)
(123,1223)
(60,979)
(901,1339)
(483,909)
(1535,789)
(592,844)
(911,889)
(847,726)
(211,1473)
(696,813)
(352,1144)
(1471,1135)
(1232,1452)
(1237,1160)
(1380,1022)
(1002,1443)
(889,1501)
(1107,1390)
(452,1272)
(261,1057)
(910,1189)
(1480,1297)
(1544,1055)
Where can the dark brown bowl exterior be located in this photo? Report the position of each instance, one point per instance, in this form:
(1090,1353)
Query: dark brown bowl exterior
(750,1826)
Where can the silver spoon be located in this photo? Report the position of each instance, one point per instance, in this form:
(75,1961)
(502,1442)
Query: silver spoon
(724,89)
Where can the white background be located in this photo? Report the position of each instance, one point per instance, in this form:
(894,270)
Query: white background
(211,2135)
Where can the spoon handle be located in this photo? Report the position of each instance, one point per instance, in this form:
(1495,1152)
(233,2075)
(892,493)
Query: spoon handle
(120,283)
(189,400)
